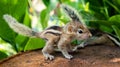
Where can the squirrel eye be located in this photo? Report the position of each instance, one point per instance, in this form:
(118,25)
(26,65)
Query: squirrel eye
(80,31)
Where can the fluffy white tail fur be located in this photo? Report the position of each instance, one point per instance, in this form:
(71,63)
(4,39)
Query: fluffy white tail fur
(18,27)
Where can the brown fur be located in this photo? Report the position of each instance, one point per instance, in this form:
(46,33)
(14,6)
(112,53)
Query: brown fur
(68,34)
(55,35)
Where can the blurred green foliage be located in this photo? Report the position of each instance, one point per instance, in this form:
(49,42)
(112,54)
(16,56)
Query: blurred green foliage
(100,14)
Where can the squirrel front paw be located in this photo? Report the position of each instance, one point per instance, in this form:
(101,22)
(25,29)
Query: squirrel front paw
(68,56)
(49,57)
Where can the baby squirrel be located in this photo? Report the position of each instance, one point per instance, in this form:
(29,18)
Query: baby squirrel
(55,35)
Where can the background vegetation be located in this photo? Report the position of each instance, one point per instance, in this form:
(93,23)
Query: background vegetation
(100,14)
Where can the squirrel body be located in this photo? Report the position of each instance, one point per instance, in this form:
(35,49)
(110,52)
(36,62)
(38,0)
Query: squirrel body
(54,35)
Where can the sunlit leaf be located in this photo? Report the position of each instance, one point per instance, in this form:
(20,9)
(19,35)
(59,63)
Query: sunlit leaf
(17,9)
(27,20)
(21,42)
(34,43)
(6,49)
(115,18)
(44,17)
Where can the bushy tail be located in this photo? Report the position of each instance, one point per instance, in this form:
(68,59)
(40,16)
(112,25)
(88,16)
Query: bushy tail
(114,39)
(72,13)
(18,27)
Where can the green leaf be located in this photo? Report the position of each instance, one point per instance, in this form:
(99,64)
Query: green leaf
(115,18)
(105,23)
(50,3)
(101,22)
(6,49)
(17,9)
(113,6)
(116,2)
(106,29)
(34,43)
(44,17)
(46,2)
(45,14)
(27,20)
(21,42)
(3,55)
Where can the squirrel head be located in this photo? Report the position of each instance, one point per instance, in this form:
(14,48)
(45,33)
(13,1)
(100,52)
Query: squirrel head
(79,30)
(77,25)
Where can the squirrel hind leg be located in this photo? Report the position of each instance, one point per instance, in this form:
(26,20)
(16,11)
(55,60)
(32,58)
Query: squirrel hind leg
(49,48)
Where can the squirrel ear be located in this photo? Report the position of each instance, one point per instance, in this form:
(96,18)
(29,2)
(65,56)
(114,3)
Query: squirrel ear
(70,29)
(72,13)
